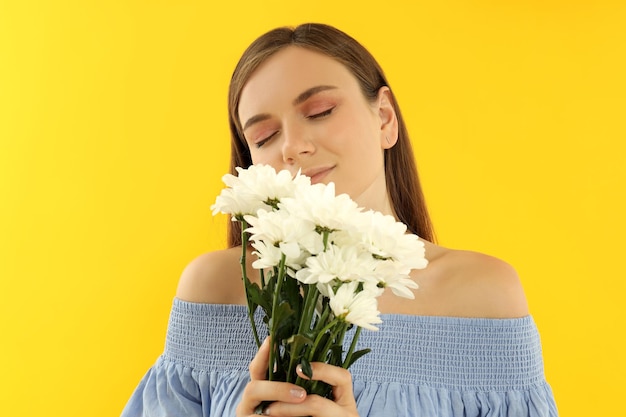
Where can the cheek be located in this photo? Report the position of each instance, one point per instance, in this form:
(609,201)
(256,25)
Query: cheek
(256,159)
(355,134)
(266,158)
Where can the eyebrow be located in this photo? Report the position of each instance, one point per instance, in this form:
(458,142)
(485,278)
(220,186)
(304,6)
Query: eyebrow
(255,119)
(302,97)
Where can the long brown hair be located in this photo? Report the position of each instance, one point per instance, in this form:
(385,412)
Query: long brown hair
(402,180)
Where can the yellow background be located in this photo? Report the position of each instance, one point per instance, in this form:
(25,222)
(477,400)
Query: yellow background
(113,139)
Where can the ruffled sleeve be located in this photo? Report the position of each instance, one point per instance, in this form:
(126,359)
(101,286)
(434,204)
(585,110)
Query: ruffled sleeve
(167,389)
(202,371)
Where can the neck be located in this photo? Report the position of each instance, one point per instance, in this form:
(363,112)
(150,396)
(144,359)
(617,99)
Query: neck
(376,197)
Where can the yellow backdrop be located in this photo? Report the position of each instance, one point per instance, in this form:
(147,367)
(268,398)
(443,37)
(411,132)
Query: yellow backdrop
(113,139)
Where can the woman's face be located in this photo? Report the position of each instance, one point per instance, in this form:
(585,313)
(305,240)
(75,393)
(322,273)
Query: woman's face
(303,110)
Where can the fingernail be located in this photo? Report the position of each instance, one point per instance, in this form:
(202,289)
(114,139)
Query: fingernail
(300,371)
(297,393)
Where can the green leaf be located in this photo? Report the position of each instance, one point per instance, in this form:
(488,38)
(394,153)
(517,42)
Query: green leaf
(292,292)
(283,312)
(356,355)
(299,339)
(306,367)
(335,355)
(318,354)
(283,324)
(255,296)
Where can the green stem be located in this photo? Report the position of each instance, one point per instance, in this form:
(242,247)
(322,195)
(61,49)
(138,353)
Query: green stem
(275,341)
(322,319)
(319,337)
(352,347)
(309,308)
(246,281)
(331,340)
(320,334)
(339,329)
(311,296)
(295,347)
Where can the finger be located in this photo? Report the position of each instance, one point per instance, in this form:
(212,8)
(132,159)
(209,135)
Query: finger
(332,375)
(259,391)
(340,379)
(312,406)
(258,366)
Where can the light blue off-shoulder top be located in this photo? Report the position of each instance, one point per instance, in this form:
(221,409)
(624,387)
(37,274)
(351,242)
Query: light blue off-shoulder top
(419,367)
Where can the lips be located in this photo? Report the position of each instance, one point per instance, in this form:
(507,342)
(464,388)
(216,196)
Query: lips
(317,174)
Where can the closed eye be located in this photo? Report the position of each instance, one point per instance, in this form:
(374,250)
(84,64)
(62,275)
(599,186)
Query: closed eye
(264,141)
(321,114)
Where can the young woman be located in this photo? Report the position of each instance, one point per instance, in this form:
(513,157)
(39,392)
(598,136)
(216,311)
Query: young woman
(313,99)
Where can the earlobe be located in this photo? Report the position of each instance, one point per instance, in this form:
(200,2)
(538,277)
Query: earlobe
(388,118)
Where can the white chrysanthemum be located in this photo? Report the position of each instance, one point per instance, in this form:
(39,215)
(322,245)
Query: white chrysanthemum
(277,227)
(290,234)
(319,204)
(254,188)
(269,256)
(325,289)
(360,309)
(387,238)
(343,263)
(237,204)
(394,276)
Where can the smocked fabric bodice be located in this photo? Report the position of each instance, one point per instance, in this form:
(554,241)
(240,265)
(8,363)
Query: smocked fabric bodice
(418,366)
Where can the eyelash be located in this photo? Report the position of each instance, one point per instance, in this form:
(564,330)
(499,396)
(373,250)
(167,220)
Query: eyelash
(263,141)
(320,115)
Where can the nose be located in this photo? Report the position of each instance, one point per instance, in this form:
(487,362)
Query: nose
(296,144)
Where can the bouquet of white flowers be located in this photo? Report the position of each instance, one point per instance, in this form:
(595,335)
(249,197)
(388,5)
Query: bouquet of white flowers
(323,262)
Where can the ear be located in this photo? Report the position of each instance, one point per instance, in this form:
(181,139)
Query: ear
(388,118)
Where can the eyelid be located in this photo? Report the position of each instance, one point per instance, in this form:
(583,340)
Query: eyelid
(263,141)
(322,113)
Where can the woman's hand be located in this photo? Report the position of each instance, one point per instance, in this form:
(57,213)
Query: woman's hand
(287,400)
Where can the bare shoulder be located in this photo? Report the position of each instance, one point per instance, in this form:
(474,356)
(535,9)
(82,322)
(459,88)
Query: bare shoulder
(480,285)
(213,278)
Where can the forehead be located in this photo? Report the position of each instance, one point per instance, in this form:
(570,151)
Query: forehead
(287,73)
